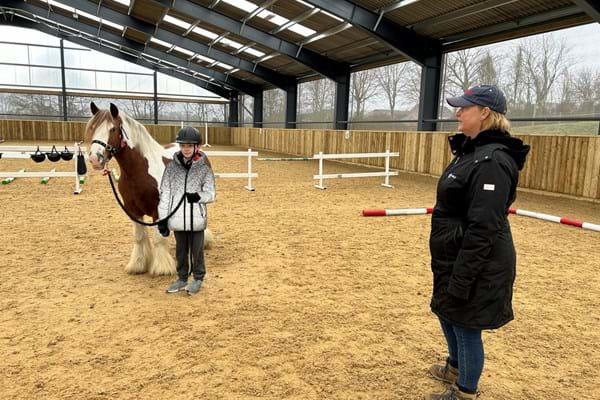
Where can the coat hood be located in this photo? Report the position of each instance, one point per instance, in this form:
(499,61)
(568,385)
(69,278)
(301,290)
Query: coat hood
(461,144)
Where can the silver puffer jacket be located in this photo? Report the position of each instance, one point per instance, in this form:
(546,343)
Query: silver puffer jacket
(200,179)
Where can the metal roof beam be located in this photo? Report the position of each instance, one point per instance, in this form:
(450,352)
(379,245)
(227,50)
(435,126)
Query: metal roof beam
(561,13)
(330,32)
(305,15)
(461,13)
(396,5)
(136,46)
(400,38)
(258,10)
(121,18)
(320,64)
(24,23)
(591,8)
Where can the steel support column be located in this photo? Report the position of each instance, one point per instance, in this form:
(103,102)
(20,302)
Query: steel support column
(155,98)
(63,80)
(342,101)
(429,101)
(233,120)
(291,105)
(258,111)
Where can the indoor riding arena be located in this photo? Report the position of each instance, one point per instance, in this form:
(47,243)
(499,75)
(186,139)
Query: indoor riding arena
(305,296)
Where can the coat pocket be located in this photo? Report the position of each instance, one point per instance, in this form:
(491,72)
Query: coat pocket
(445,240)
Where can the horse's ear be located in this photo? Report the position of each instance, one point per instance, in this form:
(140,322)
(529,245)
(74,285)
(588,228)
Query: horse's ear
(114,111)
(94,108)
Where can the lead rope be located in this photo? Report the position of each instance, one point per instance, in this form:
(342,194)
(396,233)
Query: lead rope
(133,218)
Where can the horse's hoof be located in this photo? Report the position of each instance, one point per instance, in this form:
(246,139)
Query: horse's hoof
(135,268)
(163,266)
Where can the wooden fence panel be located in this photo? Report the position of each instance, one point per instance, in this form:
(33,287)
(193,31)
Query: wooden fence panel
(560,164)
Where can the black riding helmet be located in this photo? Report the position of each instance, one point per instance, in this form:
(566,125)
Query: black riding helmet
(53,155)
(188,135)
(66,154)
(38,156)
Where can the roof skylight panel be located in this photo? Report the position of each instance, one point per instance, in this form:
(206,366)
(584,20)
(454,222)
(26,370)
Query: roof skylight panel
(184,51)
(254,52)
(223,65)
(205,33)
(75,11)
(204,58)
(176,21)
(231,43)
(242,5)
(160,42)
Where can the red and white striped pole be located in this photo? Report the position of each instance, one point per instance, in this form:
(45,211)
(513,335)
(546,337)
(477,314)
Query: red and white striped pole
(399,211)
(553,218)
(531,214)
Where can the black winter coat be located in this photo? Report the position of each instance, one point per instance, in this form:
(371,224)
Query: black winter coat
(472,253)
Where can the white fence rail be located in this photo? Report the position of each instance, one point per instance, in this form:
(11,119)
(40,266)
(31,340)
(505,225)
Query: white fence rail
(249,174)
(387,173)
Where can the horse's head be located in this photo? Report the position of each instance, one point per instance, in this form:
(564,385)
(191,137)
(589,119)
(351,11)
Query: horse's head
(103,133)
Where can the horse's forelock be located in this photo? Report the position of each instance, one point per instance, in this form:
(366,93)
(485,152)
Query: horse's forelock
(95,122)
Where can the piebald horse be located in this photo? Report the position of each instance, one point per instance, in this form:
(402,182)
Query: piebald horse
(142,160)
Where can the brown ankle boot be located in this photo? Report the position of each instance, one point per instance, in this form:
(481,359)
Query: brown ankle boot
(445,373)
(452,393)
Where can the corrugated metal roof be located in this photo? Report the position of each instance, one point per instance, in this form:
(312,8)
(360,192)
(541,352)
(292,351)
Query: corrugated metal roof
(455,23)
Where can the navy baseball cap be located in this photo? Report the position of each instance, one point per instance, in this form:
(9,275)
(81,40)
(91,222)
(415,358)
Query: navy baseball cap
(484,95)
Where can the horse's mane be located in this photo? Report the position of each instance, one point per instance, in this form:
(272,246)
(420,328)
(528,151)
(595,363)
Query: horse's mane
(137,136)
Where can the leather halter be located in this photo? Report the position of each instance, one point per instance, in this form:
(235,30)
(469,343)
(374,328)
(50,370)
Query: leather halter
(112,150)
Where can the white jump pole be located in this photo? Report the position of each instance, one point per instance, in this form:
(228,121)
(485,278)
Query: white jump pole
(386,182)
(285,159)
(45,179)
(206,135)
(320,185)
(249,187)
(8,180)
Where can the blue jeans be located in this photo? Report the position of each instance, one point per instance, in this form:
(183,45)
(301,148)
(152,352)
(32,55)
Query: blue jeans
(465,352)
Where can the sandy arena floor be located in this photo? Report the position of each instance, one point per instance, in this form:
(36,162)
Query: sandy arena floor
(304,298)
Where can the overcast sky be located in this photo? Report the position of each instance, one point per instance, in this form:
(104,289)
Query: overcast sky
(583,43)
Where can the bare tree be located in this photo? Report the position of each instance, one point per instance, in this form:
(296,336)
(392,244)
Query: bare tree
(586,83)
(567,94)
(489,70)
(246,109)
(516,78)
(319,94)
(392,79)
(362,87)
(463,69)
(274,105)
(413,83)
(546,60)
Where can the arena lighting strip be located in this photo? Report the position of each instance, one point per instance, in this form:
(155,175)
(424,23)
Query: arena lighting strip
(531,214)
(113,46)
(171,20)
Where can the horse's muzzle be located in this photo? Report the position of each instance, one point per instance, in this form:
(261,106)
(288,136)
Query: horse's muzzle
(97,160)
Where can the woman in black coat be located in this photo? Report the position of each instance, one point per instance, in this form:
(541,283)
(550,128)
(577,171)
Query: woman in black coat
(472,252)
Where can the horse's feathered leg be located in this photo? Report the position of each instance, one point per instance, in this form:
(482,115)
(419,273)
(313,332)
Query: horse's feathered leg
(162,262)
(142,251)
